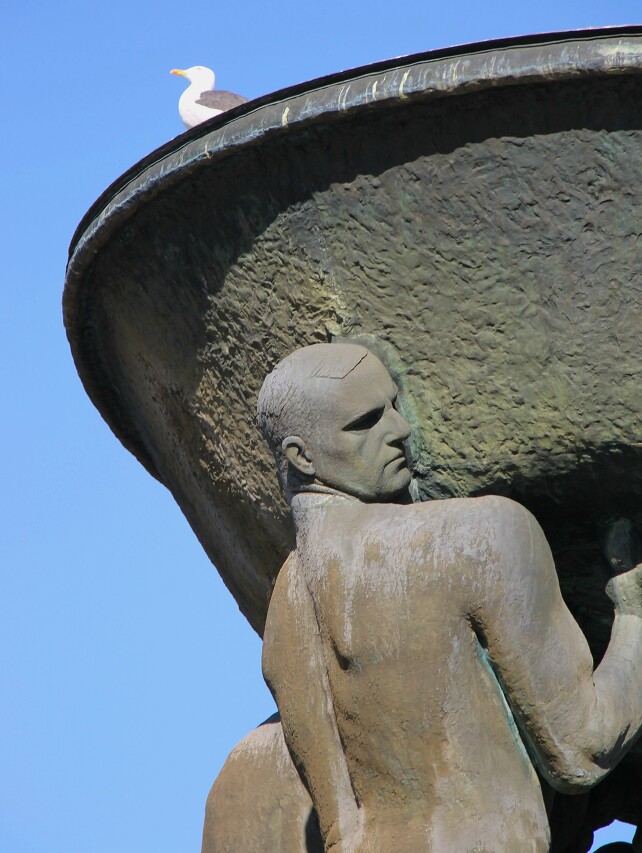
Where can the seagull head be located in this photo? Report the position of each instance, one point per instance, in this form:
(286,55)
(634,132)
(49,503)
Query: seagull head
(198,75)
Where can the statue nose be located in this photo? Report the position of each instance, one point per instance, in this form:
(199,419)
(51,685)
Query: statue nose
(402,427)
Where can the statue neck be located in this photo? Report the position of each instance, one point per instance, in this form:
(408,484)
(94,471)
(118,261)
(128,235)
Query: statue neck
(316,495)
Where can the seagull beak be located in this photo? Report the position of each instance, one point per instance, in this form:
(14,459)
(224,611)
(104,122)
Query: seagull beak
(178,71)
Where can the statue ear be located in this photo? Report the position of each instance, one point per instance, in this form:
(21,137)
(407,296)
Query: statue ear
(295,451)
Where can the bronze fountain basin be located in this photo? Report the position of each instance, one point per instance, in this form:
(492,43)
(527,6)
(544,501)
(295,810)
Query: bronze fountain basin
(473,214)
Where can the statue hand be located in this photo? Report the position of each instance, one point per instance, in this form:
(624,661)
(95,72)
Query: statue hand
(622,546)
(625,591)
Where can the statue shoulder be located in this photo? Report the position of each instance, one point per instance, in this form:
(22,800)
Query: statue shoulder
(505,508)
(488,516)
(516,540)
(490,506)
(506,517)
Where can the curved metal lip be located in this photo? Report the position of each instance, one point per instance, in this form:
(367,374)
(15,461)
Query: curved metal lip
(402,78)
(551,57)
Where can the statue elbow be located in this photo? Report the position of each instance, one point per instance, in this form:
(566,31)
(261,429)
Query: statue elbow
(575,772)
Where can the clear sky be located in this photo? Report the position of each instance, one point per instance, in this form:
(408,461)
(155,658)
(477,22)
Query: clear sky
(127,673)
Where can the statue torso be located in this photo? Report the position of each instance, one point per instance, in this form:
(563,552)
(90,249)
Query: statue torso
(429,739)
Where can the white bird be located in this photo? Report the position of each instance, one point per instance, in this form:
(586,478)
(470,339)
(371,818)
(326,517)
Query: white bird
(198,102)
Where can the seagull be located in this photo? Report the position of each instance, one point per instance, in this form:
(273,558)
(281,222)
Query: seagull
(198,102)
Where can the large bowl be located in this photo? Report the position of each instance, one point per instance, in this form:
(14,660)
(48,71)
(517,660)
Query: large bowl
(473,214)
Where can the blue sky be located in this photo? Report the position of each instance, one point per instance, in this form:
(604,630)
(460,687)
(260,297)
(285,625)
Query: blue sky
(127,671)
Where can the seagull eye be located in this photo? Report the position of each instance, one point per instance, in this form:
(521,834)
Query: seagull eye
(366,421)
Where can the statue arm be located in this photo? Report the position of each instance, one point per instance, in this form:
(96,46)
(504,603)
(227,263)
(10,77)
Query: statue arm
(295,672)
(578,723)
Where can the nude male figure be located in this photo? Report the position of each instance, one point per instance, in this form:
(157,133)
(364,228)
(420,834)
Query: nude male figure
(421,655)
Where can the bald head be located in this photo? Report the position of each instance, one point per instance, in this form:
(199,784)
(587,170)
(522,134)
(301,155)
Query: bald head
(291,394)
(317,408)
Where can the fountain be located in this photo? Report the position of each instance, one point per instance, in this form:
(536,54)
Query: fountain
(472,215)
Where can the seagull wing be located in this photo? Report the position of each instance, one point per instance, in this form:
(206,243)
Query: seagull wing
(219,99)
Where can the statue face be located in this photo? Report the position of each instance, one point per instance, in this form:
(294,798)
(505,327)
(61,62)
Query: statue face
(356,442)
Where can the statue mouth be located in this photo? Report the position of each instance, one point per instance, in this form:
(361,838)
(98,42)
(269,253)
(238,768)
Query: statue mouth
(401,457)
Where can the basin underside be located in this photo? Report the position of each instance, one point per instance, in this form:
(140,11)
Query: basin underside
(483,239)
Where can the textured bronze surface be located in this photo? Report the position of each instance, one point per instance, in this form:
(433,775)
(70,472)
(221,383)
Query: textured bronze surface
(475,217)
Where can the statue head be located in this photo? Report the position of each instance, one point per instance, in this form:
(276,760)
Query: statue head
(328,413)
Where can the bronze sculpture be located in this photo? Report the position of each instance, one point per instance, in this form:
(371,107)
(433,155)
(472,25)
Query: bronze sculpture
(416,652)
(472,216)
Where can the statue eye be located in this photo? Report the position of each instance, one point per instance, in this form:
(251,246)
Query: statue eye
(366,421)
